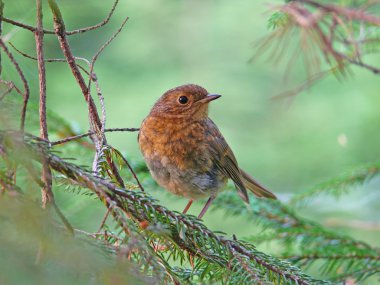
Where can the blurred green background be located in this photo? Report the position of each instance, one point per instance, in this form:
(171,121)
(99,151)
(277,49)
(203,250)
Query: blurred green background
(288,145)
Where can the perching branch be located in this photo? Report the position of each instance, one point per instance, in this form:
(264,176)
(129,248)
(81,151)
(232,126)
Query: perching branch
(185,232)
(65,140)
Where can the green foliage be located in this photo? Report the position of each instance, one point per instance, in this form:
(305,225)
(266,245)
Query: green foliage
(32,246)
(277,19)
(332,36)
(175,236)
(142,242)
(305,242)
(340,185)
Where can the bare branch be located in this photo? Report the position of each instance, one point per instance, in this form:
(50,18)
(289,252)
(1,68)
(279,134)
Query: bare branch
(103,222)
(25,94)
(130,168)
(69,33)
(11,86)
(53,59)
(91,133)
(93,76)
(373,69)
(106,44)
(101,24)
(24,26)
(333,256)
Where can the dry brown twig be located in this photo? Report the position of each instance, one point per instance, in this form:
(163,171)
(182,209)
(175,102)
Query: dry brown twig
(76,137)
(69,33)
(93,76)
(47,194)
(11,86)
(49,60)
(26,92)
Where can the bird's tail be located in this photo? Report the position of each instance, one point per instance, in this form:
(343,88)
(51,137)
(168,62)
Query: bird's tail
(255,186)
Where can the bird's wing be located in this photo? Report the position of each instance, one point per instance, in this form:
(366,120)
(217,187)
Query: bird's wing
(224,158)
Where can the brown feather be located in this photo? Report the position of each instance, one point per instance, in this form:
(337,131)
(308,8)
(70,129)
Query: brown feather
(255,187)
(225,159)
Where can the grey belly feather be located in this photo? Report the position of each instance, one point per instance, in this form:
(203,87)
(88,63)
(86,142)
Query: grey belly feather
(191,183)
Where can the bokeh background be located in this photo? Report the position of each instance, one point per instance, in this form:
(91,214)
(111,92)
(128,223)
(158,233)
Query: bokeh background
(290,145)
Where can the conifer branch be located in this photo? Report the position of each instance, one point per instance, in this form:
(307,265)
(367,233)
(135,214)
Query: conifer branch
(340,185)
(182,233)
(304,241)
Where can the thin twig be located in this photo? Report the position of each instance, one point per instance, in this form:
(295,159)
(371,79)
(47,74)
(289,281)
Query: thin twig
(101,140)
(105,45)
(11,86)
(132,171)
(101,24)
(24,26)
(104,220)
(348,256)
(25,94)
(52,59)
(69,33)
(65,221)
(104,235)
(373,69)
(68,139)
(93,76)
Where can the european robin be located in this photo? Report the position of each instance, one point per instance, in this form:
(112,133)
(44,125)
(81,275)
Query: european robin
(185,151)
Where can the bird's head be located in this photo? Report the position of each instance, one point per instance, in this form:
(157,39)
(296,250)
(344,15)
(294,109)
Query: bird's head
(184,101)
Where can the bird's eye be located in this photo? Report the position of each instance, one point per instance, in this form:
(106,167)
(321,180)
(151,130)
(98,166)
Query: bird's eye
(183,100)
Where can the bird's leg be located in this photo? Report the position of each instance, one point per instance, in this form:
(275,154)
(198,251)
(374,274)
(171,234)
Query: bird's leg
(208,203)
(187,206)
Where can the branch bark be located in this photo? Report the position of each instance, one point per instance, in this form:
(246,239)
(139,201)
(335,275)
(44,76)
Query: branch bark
(46,191)
(1,28)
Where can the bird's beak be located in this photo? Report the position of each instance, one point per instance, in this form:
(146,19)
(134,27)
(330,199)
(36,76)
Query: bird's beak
(210,97)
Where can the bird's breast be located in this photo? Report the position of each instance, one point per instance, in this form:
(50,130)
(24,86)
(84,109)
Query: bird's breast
(179,143)
(178,157)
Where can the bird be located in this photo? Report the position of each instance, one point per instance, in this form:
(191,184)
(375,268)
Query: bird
(185,151)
